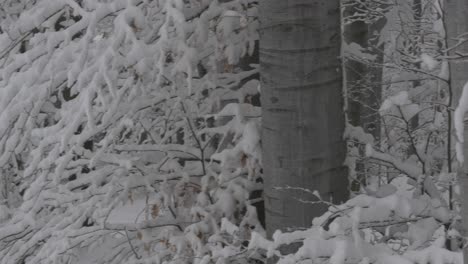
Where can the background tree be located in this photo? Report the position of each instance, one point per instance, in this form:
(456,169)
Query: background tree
(363,53)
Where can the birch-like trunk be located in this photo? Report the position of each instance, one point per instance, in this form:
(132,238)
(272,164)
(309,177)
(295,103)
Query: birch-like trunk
(302,101)
(456,24)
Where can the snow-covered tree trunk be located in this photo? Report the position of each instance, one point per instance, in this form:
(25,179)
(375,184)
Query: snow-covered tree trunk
(303,120)
(456,23)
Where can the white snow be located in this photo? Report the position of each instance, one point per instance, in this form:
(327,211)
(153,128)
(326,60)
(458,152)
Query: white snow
(428,62)
(459,124)
(400,99)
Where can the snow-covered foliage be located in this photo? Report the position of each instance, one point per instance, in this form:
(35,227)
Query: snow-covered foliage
(110,138)
(387,228)
(130,133)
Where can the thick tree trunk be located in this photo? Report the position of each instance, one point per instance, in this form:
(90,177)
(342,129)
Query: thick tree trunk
(456,22)
(303,119)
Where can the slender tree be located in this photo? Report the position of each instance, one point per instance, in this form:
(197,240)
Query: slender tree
(303,120)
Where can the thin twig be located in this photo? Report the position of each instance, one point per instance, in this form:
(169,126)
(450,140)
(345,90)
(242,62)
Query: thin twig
(131,245)
(197,140)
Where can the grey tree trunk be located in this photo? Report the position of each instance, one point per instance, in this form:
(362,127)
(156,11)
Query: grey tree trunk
(456,24)
(364,87)
(364,79)
(417,16)
(303,119)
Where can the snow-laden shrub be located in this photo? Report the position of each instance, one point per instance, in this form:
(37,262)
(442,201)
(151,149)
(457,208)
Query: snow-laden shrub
(110,137)
(390,227)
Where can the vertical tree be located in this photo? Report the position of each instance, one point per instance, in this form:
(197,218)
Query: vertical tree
(302,102)
(456,24)
(362,58)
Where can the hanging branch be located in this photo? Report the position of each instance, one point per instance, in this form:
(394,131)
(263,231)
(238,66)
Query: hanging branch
(131,245)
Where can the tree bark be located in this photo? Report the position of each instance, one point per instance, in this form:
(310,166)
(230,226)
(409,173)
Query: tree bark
(456,24)
(303,119)
(364,86)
